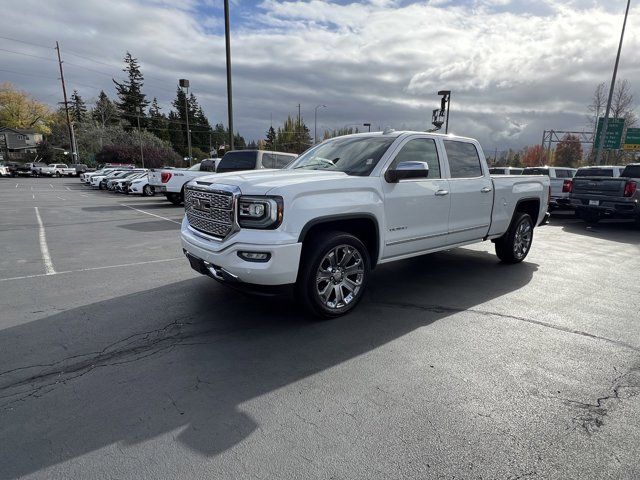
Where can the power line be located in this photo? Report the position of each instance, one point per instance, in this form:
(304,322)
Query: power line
(28,74)
(27,54)
(28,43)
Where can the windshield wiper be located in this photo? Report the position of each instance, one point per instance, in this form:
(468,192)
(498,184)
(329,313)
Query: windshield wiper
(324,162)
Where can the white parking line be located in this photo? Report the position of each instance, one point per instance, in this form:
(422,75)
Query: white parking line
(51,186)
(152,214)
(60,198)
(91,269)
(68,188)
(46,258)
(33,195)
(16,185)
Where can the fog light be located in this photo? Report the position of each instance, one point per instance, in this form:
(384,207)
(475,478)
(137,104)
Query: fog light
(255,256)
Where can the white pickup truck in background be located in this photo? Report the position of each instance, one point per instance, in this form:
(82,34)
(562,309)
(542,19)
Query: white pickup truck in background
(351,203)
(171,182)
(57,170)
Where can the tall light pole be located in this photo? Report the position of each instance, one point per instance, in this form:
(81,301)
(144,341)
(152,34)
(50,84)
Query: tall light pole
(184,83)
(605,122)
(315,123)
(138,113)
(446,101)
(367,125)
(227,41)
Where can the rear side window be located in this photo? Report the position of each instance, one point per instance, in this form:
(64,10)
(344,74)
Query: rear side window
(269,160)
(419,150)
(464,161)
(238,160)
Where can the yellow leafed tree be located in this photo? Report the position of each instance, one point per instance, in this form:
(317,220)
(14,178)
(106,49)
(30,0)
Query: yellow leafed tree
(19,110)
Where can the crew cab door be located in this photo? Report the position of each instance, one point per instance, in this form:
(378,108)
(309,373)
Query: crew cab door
(416,210)
(471,192)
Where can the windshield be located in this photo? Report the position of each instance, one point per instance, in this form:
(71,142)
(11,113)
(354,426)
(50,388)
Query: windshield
(352,155)
(594,172)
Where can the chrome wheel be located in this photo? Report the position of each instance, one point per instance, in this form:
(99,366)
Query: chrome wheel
(340,276)
(522,239)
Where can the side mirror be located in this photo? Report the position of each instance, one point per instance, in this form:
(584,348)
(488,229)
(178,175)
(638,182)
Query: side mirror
(407,170)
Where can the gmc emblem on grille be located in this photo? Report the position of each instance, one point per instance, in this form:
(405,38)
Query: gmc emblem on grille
(201,205)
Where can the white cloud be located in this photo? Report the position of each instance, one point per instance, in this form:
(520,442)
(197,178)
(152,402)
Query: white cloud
(513,71)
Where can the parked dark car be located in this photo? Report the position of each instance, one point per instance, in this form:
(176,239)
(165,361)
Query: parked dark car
(80,168)
(595,198)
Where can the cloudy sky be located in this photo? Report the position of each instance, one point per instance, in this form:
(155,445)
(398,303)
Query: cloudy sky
(515,67)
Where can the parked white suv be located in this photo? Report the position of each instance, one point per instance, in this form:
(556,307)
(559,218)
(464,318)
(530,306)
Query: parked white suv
(351,203)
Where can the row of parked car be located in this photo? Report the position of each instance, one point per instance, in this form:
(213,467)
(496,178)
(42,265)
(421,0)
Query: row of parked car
(594,193)
(39,169)
(121,179)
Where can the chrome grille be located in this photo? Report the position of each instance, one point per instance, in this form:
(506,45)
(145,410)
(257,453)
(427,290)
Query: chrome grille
(209,212)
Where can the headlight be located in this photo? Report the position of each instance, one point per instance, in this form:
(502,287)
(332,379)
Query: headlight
(260,212)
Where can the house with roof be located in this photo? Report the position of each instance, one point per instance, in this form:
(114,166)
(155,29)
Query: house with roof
(16,141)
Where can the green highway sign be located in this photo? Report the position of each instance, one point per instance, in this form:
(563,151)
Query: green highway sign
(613,138)
(632,139)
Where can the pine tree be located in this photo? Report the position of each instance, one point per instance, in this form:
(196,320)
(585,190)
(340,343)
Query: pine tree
(270,142)
(129,92)
(158,121)
(78,107)
(293,136)
(104,111)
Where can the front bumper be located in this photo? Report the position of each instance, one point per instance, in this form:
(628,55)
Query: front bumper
(280,269)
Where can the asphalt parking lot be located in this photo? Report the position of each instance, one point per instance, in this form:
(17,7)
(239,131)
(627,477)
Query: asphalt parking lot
(118,361)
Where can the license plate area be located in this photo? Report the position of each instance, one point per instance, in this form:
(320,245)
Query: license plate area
(594,203)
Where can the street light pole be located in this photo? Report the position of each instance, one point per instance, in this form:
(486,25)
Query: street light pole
(367,125)
(605,122)
(446,98)
(227,41)
(138,112)
(184,83)
(315,123)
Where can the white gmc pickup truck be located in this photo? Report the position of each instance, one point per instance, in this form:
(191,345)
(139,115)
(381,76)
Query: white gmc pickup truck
(350,203)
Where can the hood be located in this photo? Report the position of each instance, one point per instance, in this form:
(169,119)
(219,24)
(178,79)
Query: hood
(260,182)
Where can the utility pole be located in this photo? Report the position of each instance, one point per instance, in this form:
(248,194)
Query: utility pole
(229,94)
(184,83)
(298,133)
(138,112)
(605,122)
(72,139)
(315,123)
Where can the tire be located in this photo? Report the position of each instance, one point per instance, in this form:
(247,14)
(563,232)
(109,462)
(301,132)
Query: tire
(514,246)
(318,273)
(146,191)
(174,198)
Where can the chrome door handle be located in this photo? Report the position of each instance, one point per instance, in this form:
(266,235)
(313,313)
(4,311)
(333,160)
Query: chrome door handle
(442,193)
(486,189)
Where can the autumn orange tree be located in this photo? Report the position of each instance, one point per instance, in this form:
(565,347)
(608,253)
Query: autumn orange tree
(568,152)
(19,110)
(535,156)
